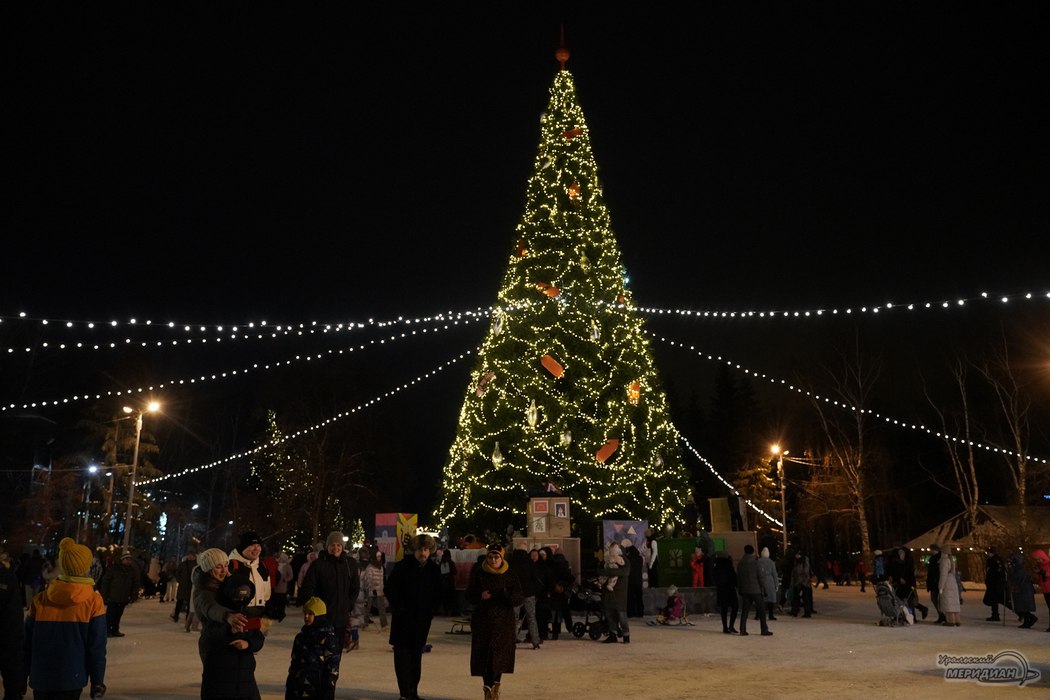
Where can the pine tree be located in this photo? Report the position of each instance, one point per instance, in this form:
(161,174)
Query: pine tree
(565,389)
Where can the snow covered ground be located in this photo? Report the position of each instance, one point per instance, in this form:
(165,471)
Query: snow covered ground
(839,653)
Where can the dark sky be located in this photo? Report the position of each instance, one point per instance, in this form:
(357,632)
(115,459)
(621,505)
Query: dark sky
(228,165)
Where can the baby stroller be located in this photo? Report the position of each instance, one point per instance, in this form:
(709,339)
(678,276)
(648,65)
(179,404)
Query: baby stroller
(893,609)
(587,598)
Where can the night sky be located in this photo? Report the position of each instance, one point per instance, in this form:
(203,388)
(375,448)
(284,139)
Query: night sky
(226,166)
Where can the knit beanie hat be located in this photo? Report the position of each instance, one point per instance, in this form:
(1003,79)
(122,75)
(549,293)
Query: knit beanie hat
(315,606)
(764,553)
(210,558)
(247,540)
(333,537)
(74,559)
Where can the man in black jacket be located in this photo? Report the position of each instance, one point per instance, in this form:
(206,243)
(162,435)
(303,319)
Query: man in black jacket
(523,568)
(414,592)
(933,580)
(333,577)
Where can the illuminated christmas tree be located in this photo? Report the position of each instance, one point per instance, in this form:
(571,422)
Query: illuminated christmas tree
(565,390)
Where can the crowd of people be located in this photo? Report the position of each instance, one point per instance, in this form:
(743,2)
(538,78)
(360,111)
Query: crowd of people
(58,614)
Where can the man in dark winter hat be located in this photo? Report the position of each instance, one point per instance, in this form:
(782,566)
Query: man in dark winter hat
(246,566)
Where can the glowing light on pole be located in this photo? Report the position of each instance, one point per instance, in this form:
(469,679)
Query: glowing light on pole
(153,406)
(783,502)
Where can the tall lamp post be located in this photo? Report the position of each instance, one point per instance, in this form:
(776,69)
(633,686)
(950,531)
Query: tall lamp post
(153,406)
(783,501)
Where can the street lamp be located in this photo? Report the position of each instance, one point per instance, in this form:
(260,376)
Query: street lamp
(783,501)
(153,406)
(92,470)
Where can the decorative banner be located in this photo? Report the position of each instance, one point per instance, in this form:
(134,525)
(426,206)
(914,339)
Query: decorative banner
(619,530)
(393,531)
(386,534)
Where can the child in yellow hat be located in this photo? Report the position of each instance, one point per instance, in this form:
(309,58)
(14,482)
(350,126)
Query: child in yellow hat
(315,655)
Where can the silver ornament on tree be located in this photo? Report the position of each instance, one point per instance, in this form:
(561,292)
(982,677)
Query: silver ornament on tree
(532,414)
(497,456)
(566,438)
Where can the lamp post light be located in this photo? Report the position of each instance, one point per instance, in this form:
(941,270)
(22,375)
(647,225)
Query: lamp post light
(783,501)
(81,536)
(153,406)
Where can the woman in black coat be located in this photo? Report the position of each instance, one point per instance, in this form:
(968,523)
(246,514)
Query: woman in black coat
(725,583)
(414,593)
(493,624)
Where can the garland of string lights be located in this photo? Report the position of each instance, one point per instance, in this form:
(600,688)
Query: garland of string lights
(236,332)
(840,404)
(317,426)
(457,320)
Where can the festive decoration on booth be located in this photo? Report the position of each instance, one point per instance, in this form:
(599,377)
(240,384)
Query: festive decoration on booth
(573,258)
(606,451)
(552,365)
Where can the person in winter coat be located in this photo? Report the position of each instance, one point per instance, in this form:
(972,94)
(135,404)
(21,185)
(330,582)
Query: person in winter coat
(414,592)
(184,583)
(314,667)
(994,583)
(493,625)
(372,579)
(1022,593)
(246,567)
(1042,574)
(933,581)
(118,585)
(750,591)
(949,597)
(635,602)
(333,577)
(523,568)
(696,565)
(902,576)
(801,586)
(12,629)
(562,580)
(449,594)
(311,557)
(769,582)
(614,601)
(285,581)
(65,633)
(724,575)
(227,644)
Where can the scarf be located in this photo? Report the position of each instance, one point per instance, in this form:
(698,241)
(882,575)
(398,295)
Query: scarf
(87,580)
(502,570)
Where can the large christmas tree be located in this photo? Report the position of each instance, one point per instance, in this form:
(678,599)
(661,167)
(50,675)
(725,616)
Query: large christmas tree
(565,390)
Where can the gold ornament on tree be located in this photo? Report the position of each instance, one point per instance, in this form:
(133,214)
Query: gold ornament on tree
(634,392)
(497,456)
(566,438)
(595,330)
(532,414)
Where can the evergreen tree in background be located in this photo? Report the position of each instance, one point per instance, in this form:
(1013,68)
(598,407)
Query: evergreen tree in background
(565,390)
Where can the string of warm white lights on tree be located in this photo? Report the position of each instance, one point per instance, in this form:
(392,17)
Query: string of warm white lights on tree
(559,393)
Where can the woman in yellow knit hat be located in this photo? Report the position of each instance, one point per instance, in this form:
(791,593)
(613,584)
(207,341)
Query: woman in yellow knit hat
(66,629)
